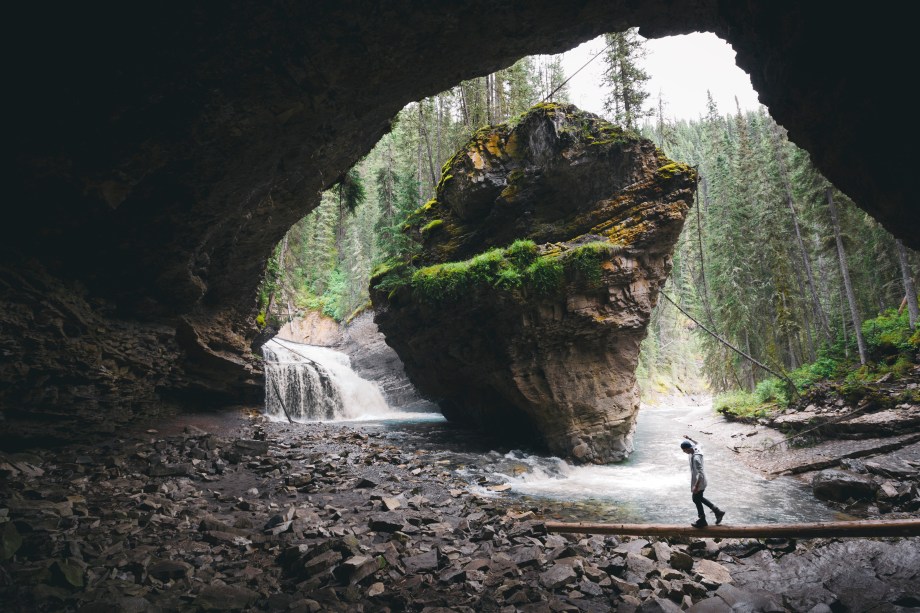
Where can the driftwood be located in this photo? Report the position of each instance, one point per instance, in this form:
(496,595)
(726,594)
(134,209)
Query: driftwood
(836,529)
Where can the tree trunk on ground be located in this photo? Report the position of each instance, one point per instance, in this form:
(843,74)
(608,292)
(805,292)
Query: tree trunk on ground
(909,289)
(845,273)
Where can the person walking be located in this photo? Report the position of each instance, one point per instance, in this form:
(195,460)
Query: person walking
(698,483)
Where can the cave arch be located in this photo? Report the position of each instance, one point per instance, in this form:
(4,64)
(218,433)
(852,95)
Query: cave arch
(159,152)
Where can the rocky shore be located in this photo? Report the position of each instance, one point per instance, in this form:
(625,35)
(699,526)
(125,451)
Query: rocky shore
(858,446)
(253,515)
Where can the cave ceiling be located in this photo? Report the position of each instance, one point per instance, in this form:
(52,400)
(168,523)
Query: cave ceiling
(160,151)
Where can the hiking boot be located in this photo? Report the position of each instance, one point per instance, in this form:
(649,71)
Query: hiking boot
(719,516)
(700,523)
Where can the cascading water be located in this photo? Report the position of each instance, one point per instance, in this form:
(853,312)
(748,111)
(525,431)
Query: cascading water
(313,383)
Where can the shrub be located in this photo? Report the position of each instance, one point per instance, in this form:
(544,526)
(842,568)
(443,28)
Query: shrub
(821,369)
(888,334)
(772,390)
(739,404)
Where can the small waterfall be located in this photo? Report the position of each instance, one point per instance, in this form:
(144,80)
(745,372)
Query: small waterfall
(317,384)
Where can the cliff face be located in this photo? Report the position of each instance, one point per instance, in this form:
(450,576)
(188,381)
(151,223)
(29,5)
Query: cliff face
(540,262)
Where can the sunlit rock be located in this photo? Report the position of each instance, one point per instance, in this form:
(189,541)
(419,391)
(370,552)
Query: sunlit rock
(540,261)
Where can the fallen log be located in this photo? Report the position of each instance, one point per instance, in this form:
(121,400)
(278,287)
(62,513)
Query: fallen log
(836,529)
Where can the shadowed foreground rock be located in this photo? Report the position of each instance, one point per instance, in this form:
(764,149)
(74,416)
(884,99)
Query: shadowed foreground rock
(328,518)
(541,260)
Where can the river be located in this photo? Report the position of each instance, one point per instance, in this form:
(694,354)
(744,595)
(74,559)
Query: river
(652,486)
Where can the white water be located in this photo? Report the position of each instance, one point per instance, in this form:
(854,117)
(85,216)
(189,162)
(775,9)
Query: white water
(317,384)
(654,483)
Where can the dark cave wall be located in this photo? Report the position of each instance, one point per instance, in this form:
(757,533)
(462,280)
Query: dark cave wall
(158,152)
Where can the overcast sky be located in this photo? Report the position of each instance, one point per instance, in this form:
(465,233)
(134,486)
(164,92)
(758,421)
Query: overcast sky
(682,68)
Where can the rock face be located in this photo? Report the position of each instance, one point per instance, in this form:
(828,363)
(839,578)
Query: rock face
(539,338)
(374,360)
(312,328)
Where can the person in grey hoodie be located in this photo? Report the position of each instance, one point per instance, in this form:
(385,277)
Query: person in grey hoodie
(698,483)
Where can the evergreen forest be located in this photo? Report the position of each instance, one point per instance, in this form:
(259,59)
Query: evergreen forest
(779,281)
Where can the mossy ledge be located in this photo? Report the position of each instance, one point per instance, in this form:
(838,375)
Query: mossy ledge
(538,262)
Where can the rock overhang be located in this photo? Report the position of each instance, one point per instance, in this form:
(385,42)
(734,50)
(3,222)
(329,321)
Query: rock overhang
(525,318)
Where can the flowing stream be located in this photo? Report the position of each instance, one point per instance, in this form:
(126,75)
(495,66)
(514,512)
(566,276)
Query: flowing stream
(653,485)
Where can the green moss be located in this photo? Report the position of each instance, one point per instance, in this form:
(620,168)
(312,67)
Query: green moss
(672,169)
(390,275)
(545,276)
(420,214)
(583,264)
(445,177)
(431,226)
(260,320)
(517,267)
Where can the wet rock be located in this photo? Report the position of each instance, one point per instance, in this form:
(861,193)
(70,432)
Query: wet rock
(423,562)
(760,601)
(711,574)
(165,570)
(225,598)
(387,522)
(356,569)
(658,605)
(559,575)
(251,447)
(10,541)
(841,486)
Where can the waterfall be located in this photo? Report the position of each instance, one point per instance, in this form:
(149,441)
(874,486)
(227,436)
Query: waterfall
(317,384)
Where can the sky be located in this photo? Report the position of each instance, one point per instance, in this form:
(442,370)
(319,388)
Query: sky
(682,68)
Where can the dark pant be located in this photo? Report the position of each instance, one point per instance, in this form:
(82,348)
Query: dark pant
(699,501)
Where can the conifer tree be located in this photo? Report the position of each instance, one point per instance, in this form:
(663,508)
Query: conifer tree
(625,78)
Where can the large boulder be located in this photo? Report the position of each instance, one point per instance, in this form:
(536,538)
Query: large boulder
(540,261)
(841,485)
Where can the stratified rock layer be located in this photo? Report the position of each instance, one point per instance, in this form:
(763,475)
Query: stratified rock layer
(538,339)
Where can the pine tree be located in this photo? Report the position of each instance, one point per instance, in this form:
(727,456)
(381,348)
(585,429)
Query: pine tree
(625,78)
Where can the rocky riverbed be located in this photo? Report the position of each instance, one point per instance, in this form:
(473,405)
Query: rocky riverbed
(219,514)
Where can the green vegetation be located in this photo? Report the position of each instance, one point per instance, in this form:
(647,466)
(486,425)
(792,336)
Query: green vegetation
(326,260)
(890,341)
(519,267)
(740,405)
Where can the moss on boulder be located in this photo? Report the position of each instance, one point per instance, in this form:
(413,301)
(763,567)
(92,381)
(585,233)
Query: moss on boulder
(539,262)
